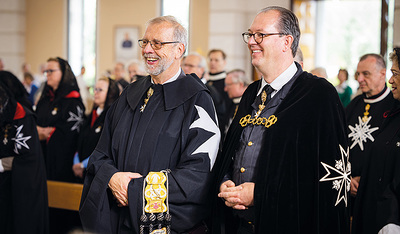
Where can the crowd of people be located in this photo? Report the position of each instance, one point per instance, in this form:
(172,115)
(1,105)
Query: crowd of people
(181,145)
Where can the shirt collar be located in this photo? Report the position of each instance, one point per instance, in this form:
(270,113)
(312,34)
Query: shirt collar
(281,80)
(172,78)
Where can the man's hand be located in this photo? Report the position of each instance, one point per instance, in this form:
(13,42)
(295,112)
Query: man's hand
(119,186)
(44,133)
(238,197)
(355,182)
(78,170)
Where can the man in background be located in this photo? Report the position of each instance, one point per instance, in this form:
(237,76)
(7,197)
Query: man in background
(216,78)
(136,71)
(365,113)
(236,82)
(119,75)
(195,63)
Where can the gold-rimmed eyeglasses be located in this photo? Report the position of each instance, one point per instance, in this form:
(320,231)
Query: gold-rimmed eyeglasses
(156,45)
(258,37)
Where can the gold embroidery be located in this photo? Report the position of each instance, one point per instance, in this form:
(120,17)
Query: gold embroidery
(155,193)
(258,121)
(366,113)
(261,106)
(149,94)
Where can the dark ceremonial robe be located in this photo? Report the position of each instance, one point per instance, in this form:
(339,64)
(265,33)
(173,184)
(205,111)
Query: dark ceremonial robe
(66,115)
(362,134)
(90,135)
(23,190)
(217,81)
(177,130)
(378,198)
(293,189)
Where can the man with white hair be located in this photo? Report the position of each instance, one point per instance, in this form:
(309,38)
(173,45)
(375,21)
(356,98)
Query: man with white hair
(151,170)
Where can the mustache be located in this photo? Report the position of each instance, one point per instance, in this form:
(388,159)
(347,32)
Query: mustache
(151,56)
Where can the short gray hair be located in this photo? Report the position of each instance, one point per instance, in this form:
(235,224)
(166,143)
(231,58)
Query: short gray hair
(180,32)
(239,76)
(288,24)
(380,62)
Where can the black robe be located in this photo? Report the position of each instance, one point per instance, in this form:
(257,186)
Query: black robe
(293,189)
(177,130)
(23,190)
(66,114)
(377,202)
(369,130)
(89,137)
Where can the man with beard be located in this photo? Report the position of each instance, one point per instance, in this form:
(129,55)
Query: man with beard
(151,168)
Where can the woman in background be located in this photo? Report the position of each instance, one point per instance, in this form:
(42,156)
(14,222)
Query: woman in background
(106,92)
(59,118)
(343,89)
(60,114)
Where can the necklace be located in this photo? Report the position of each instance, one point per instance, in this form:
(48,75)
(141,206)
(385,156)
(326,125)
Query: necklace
(149,94)
(262,105)
(366,113)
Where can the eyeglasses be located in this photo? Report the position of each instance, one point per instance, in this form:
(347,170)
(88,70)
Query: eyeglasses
(227,85)
(190,65)
(98,90)
(156,45)
(258,37)
(49,71)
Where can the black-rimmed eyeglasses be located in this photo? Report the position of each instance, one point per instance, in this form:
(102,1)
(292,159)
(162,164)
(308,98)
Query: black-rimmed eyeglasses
(156,45)
(258,37)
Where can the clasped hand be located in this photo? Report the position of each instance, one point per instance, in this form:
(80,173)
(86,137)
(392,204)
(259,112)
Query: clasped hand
(119,186)
(238,197)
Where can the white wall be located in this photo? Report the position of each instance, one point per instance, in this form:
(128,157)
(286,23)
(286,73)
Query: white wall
(228,20)
(12,34)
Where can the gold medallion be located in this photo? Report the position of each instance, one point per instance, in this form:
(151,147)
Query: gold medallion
(366,113)
(149,94)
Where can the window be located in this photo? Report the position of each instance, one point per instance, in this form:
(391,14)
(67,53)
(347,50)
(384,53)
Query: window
(335,34)
(178,8)
(82,38)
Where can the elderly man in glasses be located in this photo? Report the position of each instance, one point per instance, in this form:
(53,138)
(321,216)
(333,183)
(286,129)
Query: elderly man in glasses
(151,171)
(284,163)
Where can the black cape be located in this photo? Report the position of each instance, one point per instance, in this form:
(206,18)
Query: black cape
(23,190)
(177,130)
(377,202)
(354,112)
(293,190)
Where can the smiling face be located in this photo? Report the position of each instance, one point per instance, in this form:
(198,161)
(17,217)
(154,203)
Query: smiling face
(162,64)
(273,54)
(395,79)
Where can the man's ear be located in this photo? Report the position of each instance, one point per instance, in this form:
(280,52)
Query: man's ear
(181,50)
(288,42)
(383,72)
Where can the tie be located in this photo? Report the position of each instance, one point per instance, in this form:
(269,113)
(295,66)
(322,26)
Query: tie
(263,99)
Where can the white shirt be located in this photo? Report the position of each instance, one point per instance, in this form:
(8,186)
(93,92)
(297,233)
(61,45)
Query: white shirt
(172,78)
(280,81)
